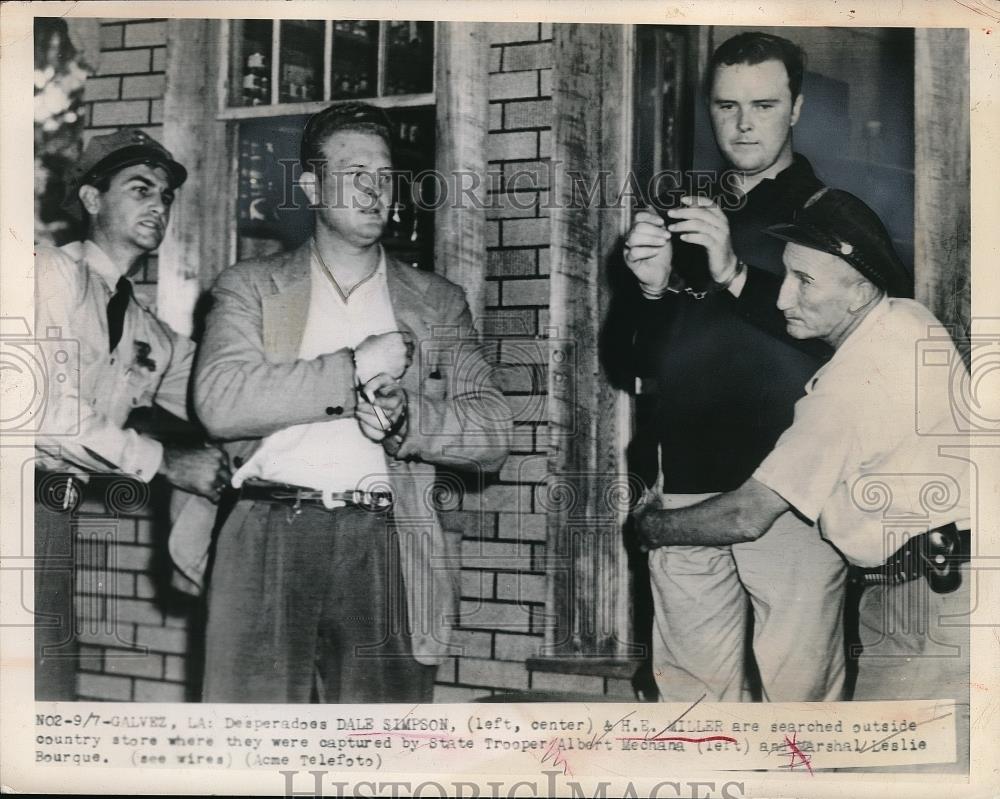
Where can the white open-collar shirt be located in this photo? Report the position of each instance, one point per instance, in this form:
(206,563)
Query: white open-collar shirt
(873,454)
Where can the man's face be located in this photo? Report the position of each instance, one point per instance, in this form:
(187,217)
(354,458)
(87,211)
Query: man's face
(817,294)
(133,213)
(356,187)
(753,114)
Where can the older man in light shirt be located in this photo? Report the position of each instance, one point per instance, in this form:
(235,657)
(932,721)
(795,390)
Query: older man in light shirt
(862,460)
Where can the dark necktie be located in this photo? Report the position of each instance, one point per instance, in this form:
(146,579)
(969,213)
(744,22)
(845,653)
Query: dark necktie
(117,306)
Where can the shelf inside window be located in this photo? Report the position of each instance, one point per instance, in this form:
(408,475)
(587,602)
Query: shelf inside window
(250,62)
(354,59)
(301,61)
(409,58)
(285,67)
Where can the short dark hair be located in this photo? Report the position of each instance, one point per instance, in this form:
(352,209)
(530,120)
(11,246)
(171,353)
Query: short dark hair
(754,47)
(341,116)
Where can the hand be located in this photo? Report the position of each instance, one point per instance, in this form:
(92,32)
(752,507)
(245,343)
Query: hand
(390,353)
(648,252)
(200,470)
(381,407)
(703,222)
(643,516)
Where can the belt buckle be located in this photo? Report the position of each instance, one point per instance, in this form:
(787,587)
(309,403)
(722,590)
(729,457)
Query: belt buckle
(373,501)
(293,512)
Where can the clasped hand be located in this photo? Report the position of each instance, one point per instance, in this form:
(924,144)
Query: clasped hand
(649,251)
(381,407)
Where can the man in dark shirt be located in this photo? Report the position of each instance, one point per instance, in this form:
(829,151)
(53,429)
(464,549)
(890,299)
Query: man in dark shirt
(718,391)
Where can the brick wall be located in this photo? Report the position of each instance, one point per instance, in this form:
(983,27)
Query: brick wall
(136,633)
(126,91)
(503,578)
(138,637)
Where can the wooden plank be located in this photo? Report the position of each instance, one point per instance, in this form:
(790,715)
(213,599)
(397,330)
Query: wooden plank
(588,580)
(942,211)
(193,252)
(462,55)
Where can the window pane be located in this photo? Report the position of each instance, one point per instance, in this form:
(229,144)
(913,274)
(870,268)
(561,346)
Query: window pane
(301,61)
(409,57)
(354,69)
(250,76)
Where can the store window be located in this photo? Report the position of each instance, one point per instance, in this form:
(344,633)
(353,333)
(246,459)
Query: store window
(281,72)
(277,62)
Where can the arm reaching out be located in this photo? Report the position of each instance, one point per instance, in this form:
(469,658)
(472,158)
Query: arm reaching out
(731,518)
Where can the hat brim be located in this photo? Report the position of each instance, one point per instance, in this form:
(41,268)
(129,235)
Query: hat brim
(803,235)
(125,157)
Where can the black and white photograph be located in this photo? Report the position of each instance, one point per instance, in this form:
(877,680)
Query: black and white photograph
(479,374)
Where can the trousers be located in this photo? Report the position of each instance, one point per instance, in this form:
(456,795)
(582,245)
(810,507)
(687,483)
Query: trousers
(309,606)
(793,583)
(56,645)
(916,646)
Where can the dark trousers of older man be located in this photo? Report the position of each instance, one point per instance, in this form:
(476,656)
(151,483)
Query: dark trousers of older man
(56,647)
(308,604)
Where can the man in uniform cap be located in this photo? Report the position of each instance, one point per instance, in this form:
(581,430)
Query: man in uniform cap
(861,460)
(122,189)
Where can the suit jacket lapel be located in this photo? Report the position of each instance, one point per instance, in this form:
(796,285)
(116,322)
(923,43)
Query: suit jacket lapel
(408,303)
(285,311)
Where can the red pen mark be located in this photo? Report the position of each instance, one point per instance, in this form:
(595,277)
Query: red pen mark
(796,757)
(706,739)
(554,752)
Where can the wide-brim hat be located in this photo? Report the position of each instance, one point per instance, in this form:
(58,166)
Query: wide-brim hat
(107,154)
(837,222)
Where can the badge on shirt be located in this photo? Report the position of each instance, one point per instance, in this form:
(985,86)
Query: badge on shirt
(142,351)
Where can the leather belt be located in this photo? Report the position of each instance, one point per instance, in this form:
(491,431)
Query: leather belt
(297,496)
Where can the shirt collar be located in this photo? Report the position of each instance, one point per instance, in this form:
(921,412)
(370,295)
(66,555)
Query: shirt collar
(864,332)
(98,260)
(377,275)
(799,171)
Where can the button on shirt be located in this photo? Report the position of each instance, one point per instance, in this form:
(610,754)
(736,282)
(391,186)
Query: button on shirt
(862,455)
(89,391)
(332,455)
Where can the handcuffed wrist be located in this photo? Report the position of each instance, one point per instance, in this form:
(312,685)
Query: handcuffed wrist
(737,271)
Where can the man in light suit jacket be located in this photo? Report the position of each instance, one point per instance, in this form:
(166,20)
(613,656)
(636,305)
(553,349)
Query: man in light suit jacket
(339,378)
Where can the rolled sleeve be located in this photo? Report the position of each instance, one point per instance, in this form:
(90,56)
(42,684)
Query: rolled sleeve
(148,455)
(811,457)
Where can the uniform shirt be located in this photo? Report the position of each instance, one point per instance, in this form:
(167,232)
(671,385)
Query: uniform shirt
(724,387)
(330,455)
(90,394)
(862,456)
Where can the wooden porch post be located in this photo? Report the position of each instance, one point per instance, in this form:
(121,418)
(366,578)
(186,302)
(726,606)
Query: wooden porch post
(462,121)
(195,249)
(941,197)
(588,576)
